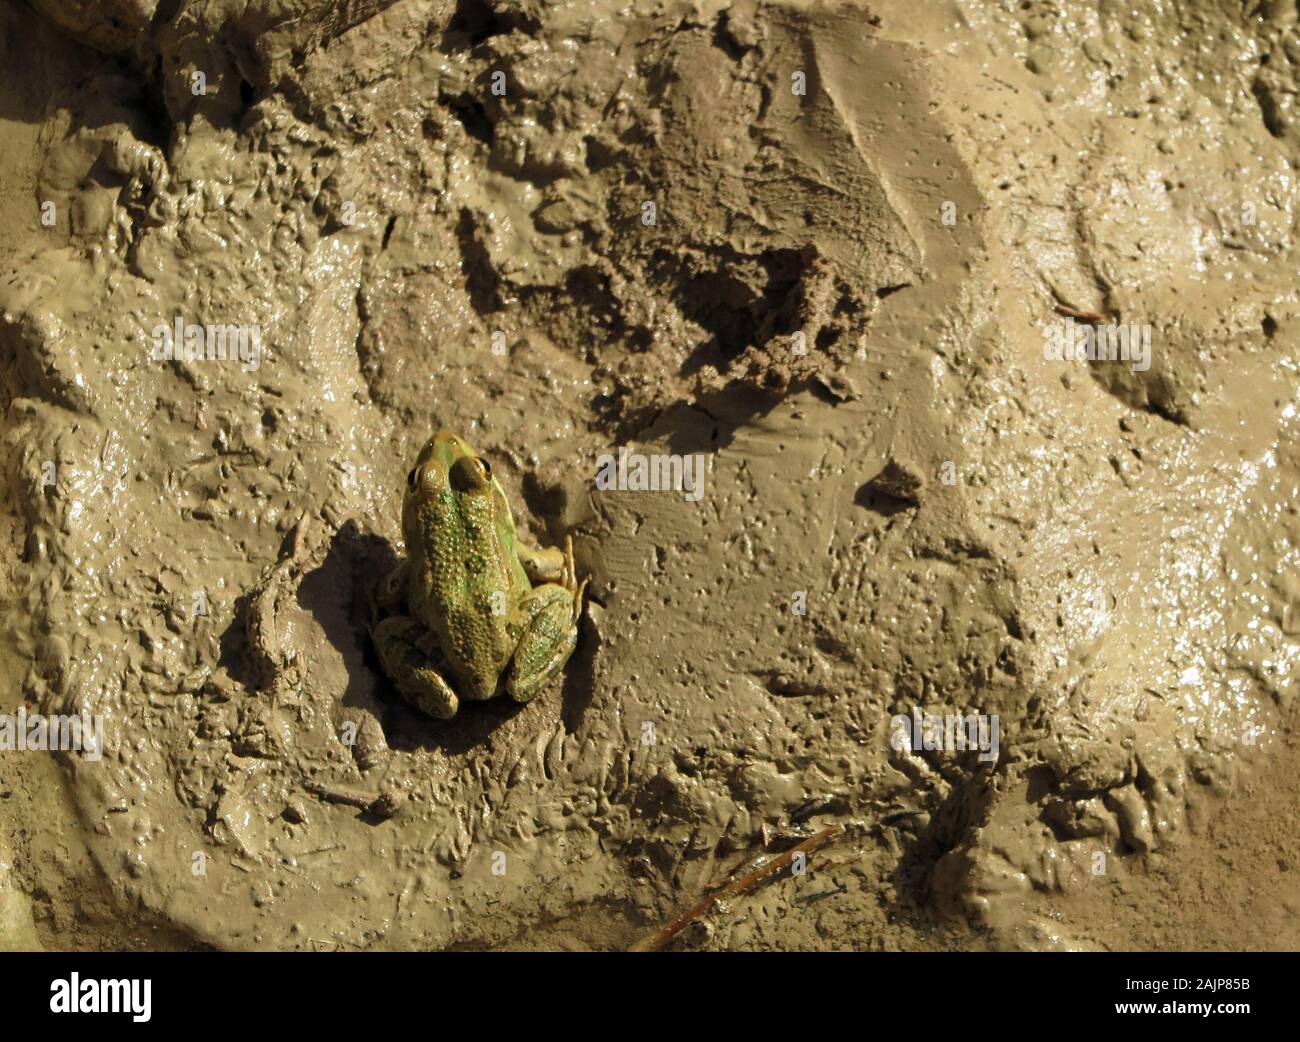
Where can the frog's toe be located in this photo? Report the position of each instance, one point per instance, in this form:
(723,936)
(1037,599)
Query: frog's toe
(411,669)
(577,598)
(570,565)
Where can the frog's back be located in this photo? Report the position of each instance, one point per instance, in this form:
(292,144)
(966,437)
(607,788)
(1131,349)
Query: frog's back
(469,587)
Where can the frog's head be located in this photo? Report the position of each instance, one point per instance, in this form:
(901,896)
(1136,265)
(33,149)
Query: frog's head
(446,471)
(447,465)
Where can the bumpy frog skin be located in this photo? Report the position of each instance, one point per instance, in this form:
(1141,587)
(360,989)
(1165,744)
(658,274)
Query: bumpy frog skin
(462,616)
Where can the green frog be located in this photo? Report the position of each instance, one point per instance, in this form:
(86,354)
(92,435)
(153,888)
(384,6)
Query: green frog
(460,617)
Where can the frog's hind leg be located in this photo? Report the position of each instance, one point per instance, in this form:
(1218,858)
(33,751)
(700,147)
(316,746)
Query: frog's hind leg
(548,639)
(413,671)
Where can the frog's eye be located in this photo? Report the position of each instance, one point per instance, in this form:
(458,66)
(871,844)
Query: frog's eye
(469,474)
(412,477)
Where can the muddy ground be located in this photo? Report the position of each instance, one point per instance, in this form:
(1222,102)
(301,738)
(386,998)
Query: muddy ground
(818,247)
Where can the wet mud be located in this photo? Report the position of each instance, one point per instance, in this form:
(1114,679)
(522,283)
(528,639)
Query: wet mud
(822,249)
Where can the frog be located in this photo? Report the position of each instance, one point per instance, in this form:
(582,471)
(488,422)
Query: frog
(472,611)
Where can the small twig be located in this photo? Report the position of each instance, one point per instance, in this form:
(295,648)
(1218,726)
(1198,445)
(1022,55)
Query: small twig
(750,881)
(385,805)
(297,538)
(755,860)
(1082,316)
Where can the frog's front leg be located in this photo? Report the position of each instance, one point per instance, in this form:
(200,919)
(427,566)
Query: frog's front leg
(414,672)
(546,565)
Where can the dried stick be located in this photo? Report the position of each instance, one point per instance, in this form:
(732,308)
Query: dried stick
(750,881)
(1083,316)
